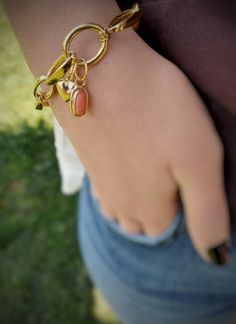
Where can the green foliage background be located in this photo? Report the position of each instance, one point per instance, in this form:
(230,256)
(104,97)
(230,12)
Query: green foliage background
(42,277)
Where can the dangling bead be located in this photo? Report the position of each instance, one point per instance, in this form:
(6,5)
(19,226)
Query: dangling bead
(79,102)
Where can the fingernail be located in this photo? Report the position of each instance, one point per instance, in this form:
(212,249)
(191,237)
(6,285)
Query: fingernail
(220,254)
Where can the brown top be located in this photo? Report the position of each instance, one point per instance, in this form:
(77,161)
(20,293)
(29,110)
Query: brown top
(200,38)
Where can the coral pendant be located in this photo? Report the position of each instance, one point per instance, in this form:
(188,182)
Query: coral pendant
(79,102)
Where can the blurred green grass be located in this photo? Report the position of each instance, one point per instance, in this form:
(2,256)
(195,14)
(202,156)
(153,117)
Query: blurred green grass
(42,277)
(16,101)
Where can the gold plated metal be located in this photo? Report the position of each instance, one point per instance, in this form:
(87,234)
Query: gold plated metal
(128,18)
(64,88)
(82,108)
(38,93)
(74,94)
(64,75)
(41,98)
(103,36)
(74,80)
(59,68)
(82,62)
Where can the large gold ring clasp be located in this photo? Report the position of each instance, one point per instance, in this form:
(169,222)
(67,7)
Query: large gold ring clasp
(103,36)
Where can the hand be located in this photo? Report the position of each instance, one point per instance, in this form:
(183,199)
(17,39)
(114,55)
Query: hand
(147,138)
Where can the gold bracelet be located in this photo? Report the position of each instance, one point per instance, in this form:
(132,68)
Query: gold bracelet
(63,76)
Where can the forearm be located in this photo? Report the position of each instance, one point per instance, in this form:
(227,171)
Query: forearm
(40,28)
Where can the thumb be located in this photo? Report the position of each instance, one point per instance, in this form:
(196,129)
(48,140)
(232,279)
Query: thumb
(203,196)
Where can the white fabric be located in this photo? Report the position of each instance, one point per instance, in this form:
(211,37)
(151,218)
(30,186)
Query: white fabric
(71,169)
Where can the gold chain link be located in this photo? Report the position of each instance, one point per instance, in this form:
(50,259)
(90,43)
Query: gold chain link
(63,74)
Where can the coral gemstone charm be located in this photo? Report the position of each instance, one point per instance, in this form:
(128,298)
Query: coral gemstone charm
(79,102)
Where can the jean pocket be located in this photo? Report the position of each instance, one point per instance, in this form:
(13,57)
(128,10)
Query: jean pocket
(167,236)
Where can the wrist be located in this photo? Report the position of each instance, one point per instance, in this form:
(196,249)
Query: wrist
(128,59)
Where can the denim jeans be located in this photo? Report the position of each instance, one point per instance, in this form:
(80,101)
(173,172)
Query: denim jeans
(149,280)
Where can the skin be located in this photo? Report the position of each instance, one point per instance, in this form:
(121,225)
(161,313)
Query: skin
(147,138)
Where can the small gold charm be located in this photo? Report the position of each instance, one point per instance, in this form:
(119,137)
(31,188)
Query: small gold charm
(38,104)
(64,88)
